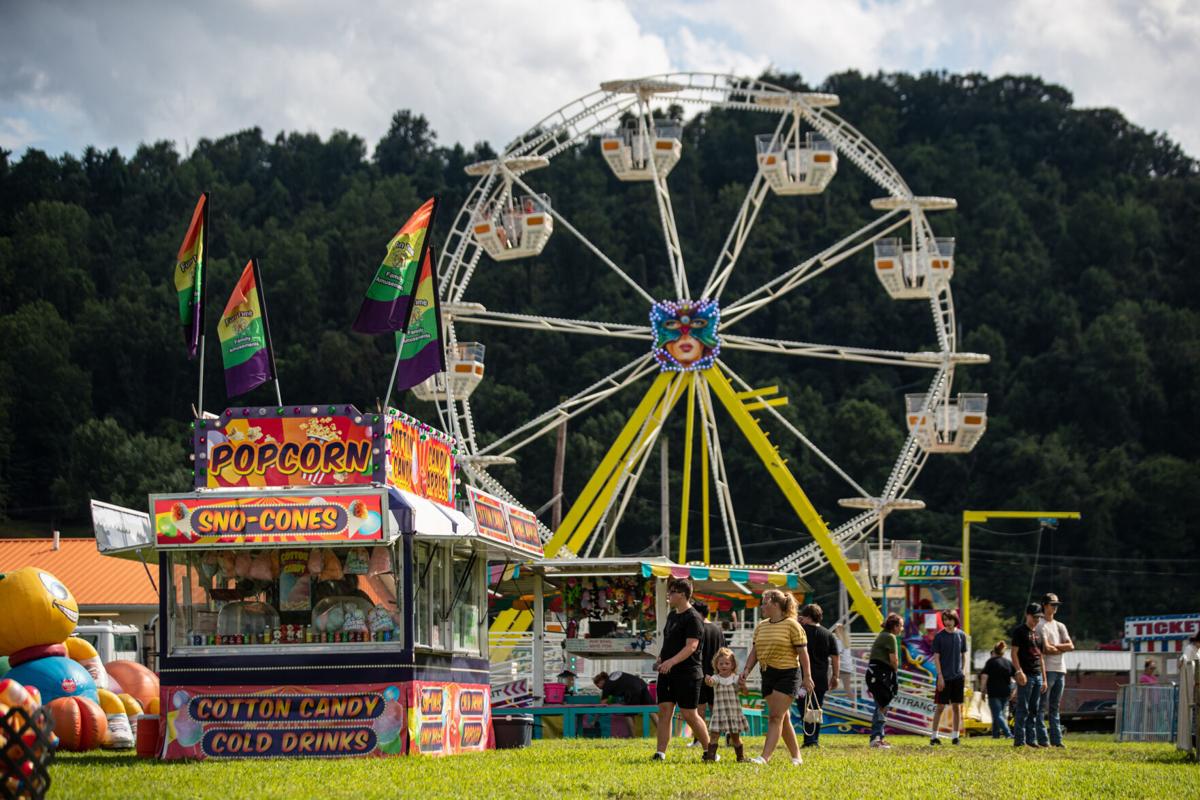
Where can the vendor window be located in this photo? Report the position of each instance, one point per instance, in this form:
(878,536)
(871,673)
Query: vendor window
(468,583)
(429,590)
(318,596)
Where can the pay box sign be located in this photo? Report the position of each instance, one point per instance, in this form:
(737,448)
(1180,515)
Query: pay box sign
(929,570)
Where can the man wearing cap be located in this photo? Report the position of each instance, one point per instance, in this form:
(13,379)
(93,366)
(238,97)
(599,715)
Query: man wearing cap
(1027,645)
(1057,641)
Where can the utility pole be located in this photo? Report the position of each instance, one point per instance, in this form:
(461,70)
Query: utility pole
(665,502)
(560,457)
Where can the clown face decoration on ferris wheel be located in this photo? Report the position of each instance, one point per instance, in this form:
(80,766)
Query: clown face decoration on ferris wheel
(685,334)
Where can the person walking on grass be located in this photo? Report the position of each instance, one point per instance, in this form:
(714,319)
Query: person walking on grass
(950,660)
(727,714)
(780,646)
(679,673)
(882,668)
(1031,679)
(996,683)
(712,641)
(823,659)
(1057,641)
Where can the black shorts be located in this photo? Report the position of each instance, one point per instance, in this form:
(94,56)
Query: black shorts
(682,690)
(951,694)
(780,680)
(706,694)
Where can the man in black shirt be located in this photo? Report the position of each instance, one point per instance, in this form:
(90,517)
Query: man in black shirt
(712,641)
(679,672)
(997,686)
(822,649)
(1031,680)
(623,688)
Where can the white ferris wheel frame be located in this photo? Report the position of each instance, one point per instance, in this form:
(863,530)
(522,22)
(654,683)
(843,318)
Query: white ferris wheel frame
(597,112)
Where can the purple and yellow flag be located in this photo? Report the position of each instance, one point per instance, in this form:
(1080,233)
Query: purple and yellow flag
(189,276)
(245,340)
(421,350)
(389,297)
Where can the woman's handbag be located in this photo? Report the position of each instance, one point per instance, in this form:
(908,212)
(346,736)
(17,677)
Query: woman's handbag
(812,714)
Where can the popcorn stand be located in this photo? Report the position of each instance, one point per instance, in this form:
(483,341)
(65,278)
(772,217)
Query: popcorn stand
(320,593)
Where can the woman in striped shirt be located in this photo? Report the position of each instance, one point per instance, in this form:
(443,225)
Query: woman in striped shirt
(780,647)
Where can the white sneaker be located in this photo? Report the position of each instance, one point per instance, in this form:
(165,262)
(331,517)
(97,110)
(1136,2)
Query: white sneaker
(797,761)
(759,760)
(659,757)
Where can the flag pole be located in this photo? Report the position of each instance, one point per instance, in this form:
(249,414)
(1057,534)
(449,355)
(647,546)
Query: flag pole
(201,268)
(426,252)
(262,305)
(395,368)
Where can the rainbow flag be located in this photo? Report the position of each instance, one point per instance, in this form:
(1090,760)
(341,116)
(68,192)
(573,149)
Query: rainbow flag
(189,276)
(421,350)
(245,337)
(389,297)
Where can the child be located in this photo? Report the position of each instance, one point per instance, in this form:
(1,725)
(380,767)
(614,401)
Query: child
(727,716)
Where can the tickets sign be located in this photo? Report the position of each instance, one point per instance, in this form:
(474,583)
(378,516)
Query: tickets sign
(1174,626)
(268,722)
(929,570)
(266,519)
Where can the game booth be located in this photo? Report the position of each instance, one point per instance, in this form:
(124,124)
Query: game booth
(321,593)
(610,612)
(924,590)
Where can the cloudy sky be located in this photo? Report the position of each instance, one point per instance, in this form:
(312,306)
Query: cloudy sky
(77,73)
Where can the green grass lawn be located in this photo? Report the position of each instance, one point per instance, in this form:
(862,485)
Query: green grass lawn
(842,767)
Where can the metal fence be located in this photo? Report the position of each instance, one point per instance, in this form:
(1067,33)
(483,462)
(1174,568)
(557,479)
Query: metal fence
(1147,713)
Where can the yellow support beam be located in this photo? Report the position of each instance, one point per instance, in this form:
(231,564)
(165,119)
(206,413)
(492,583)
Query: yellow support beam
(591,502)
(615,453)
(800,503)
(761,404)
(685,502)
(984,516)
(766,391)
(612,483)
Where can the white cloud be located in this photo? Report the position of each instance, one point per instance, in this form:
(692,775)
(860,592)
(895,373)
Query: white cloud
(146,70)
(115,74)
(1139,57)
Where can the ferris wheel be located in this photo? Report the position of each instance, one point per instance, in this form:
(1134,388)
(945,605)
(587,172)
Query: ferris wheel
(691,341)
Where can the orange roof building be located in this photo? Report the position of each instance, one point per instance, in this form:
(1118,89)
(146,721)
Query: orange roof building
(113,587)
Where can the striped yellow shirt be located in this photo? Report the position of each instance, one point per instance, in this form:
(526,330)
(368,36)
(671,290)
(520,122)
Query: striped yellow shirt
(775,643)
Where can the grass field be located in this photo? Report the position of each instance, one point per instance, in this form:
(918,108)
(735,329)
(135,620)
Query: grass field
(843,767)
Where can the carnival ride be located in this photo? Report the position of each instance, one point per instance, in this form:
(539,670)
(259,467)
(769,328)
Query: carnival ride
(505,217)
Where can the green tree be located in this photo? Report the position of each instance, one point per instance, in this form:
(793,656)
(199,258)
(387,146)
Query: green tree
(989,624)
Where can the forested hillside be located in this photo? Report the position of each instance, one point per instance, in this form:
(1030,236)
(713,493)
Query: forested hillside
(1077,236)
